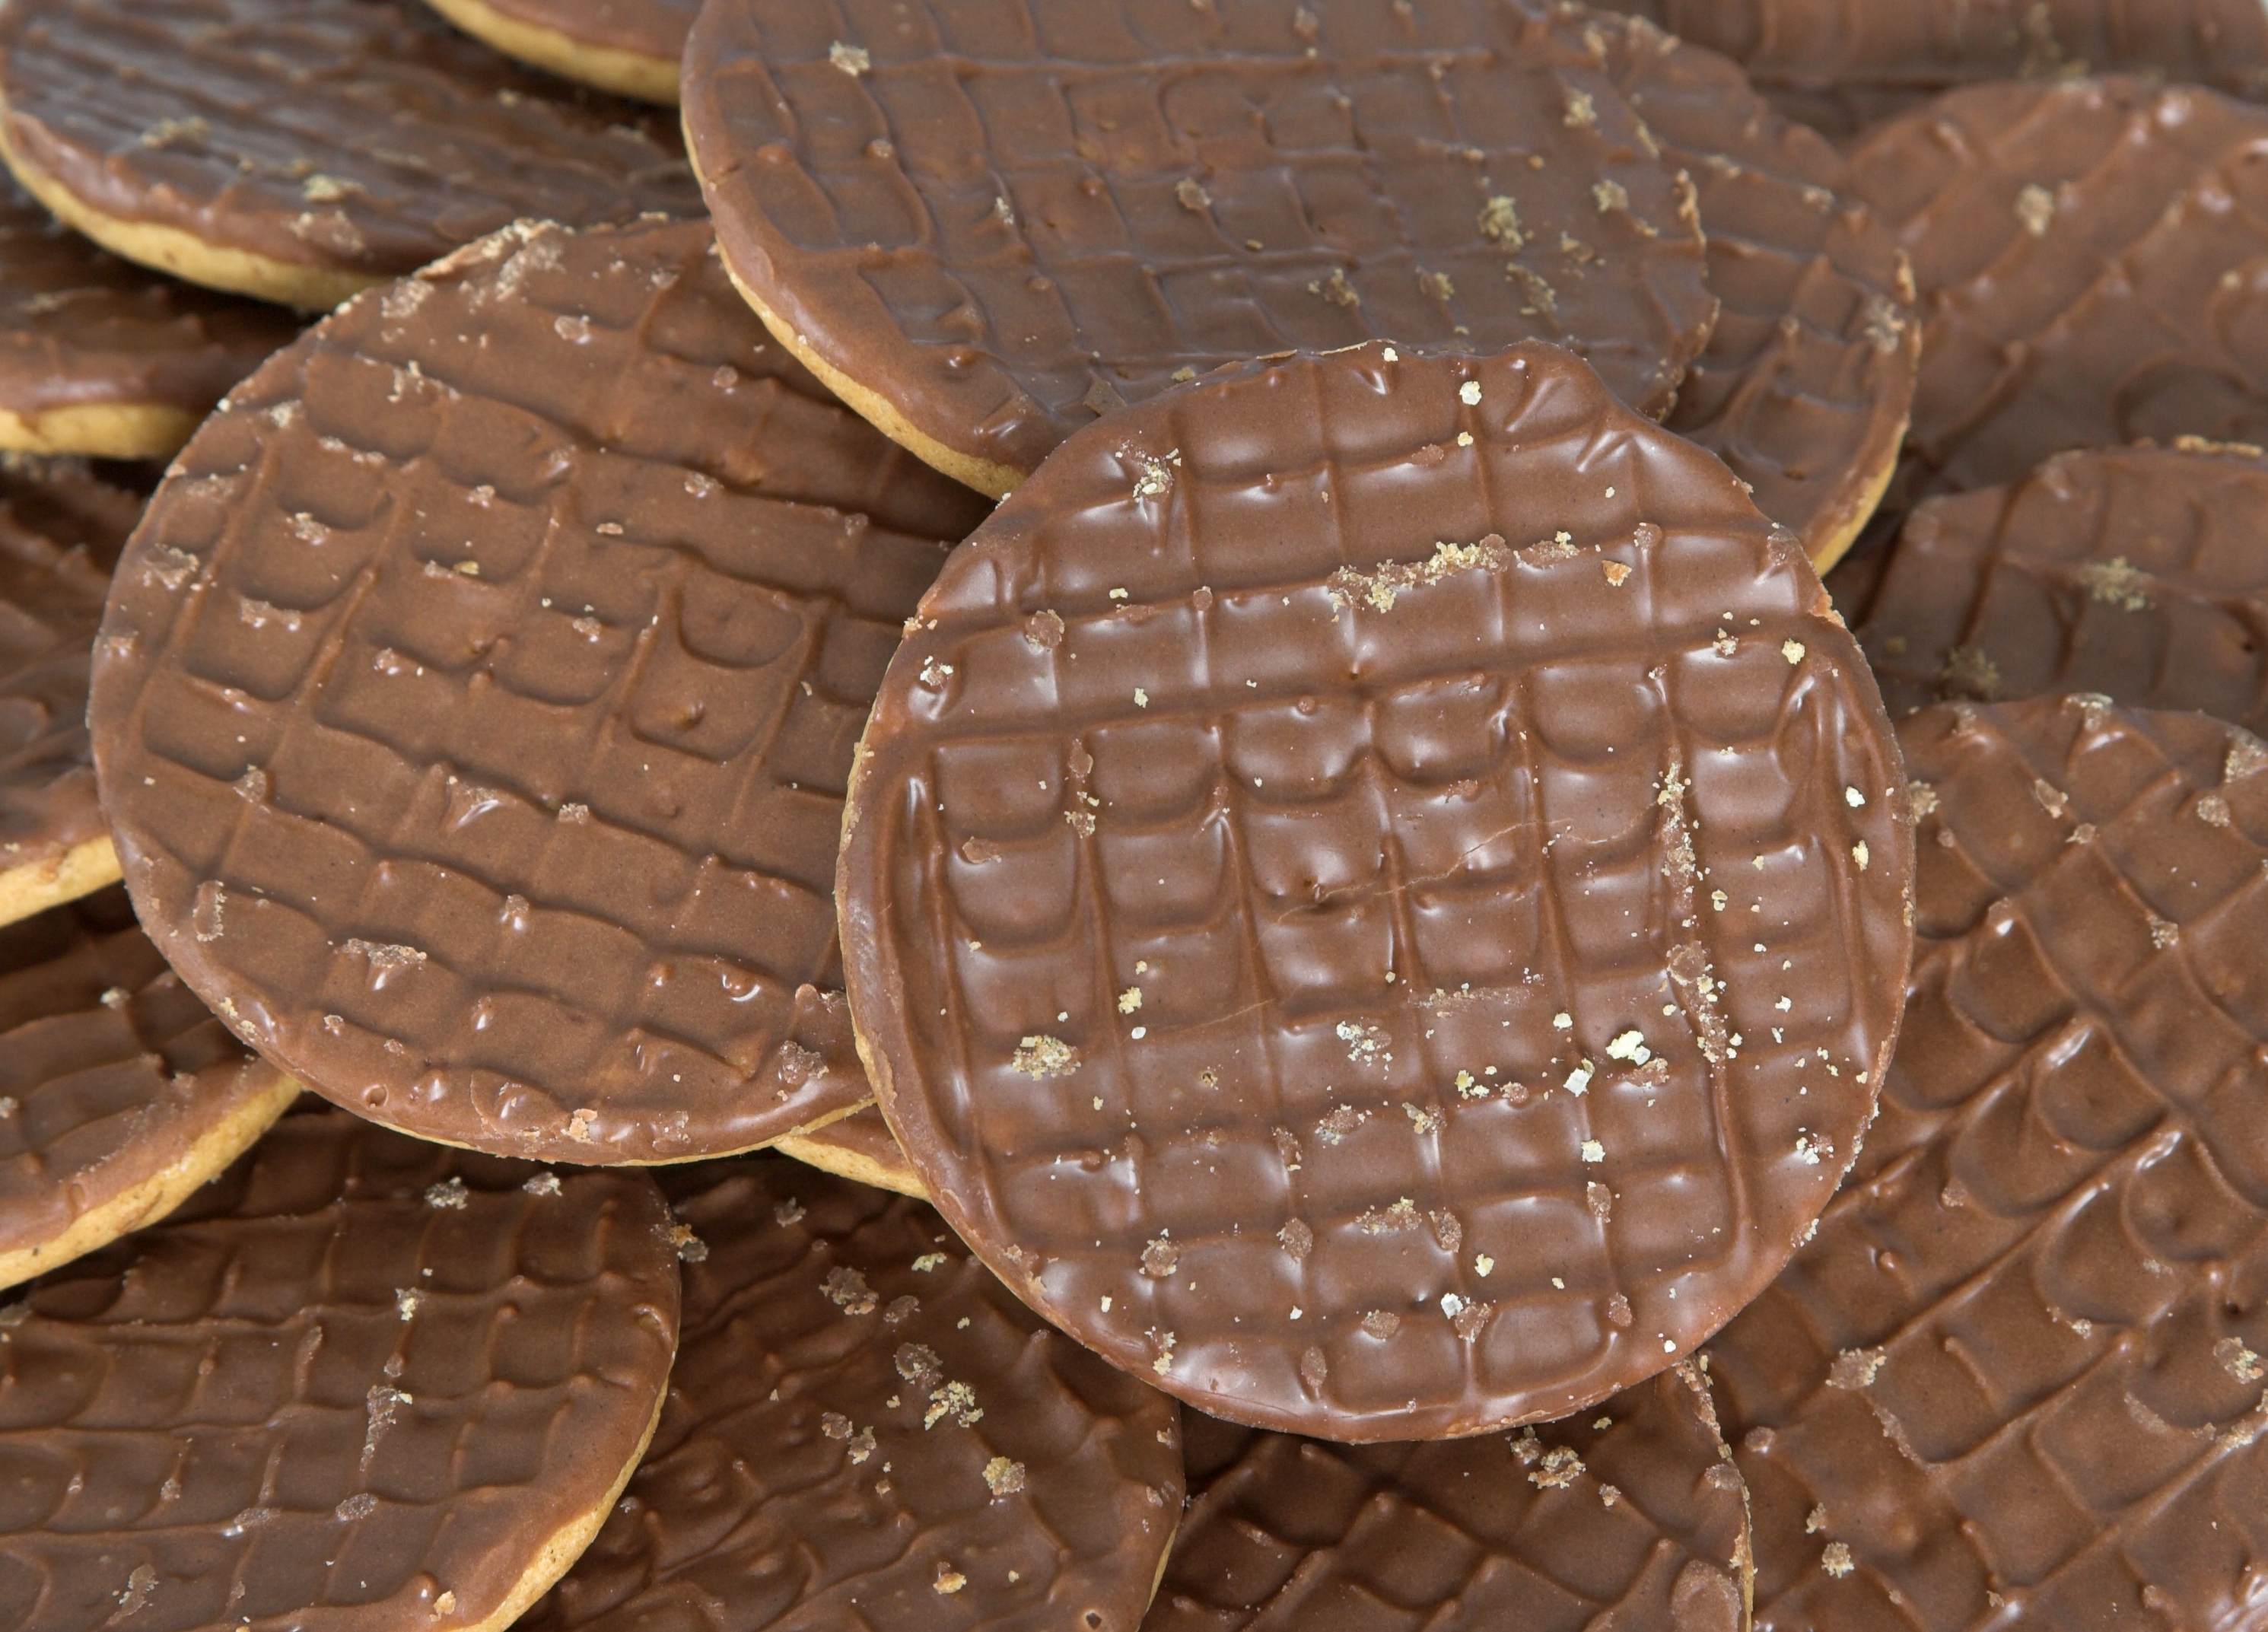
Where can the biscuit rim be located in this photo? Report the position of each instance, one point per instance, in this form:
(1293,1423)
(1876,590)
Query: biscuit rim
(603,68)
(847,1164)
(99,429)
(33,886)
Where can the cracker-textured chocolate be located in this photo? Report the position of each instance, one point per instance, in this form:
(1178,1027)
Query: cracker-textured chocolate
(302,150)
(2016,1379)
(908,1445)
(1629,1516)
(359,1383)
(987,223)
(2090,256)
(857,1146)
(474,709)
(631,48)
(62,526)
(2136,573)
(1375,894)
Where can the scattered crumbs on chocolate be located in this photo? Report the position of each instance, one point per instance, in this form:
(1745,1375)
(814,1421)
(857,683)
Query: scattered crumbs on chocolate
(1836,1559)
(1041,1057)
(853,60)
(949,1580)
(1791,650)
(788,1212)
(1381,1323)
(450,1194)
(1003,1477)
(1500,224)
(2114,582)
(847,1289)
(1560,1467)
(2035,208)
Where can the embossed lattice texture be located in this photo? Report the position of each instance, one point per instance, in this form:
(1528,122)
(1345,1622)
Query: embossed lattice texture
(1005,218)
(110,1071)
(2090,257)
(865,1429)
(2136,573)
(1631,1516)
(357,1383)
(362,137)
(476,702)
(2017,1379)
(1382,988)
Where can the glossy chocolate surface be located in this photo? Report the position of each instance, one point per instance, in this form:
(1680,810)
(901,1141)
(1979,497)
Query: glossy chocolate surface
(475,705)
(1376,893)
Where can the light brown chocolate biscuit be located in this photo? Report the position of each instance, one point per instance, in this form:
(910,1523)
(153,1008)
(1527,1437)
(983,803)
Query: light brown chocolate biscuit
(2017,1378)
(62,526)
(1631,1516)
(475,706)
(300,150)
(986,225)
(857,1146)
(119,1091)
(631,48)
(908,1445)
(1375,892)
(2093,262)
(357,1383)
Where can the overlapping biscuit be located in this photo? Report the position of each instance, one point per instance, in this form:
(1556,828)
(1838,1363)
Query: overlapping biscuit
(1375,892)
(857,1146)
(631,48)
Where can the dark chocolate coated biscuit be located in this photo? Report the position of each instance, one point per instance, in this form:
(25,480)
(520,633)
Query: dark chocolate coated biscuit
(1375,892)
(908,1444)
(358,1384)
(1629,1516)
(986,223)
(302,150)
(475,706)
(2136,573)
(632,48)
(2016,1379)
(2093,262)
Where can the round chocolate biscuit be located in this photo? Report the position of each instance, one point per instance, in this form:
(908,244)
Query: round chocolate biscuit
(2016,1379)
(301,150)
(2135,573)
(99,356)
(62,526)
(986,225)
(1375,892)
(357,1383)
(631,48)
(475,706)
(1632,1518)
(857,1146)
(908,1445)
(119,1091)
(2093,262)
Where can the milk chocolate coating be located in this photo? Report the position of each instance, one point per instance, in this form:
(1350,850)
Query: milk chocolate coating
(2136,573)
(655,28)
(1007,219)
(1631,1516)
(357,1383)
(61,529)
(865,1429)
(475,706)
(2017,1379)
(2093,261)
(1304,879)
(81,328)
(361,136)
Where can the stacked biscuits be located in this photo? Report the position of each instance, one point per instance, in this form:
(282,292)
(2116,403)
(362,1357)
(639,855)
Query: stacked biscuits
(1132,815)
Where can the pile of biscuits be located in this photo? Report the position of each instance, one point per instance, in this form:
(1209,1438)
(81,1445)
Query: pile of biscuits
(1133,815)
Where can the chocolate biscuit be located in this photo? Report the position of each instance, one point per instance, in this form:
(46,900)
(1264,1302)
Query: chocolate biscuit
(2136,573)
(2016,1379)
(357,1383)
(2093,261)
(908,1445)
(987,224)
(475,706)
(1375,892)
(1629,1516)
(631,48)
(301,150)
(857,1146)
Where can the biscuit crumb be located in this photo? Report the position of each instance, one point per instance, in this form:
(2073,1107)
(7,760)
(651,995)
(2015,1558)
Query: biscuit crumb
(853,60)
(1561,1467)
(446,1605)
(1837,1559)
(949,1580)
(1792,651)
(542,1184)
(1004,1477)
(1191,194)
(449,1195)
(2035,208)
(1041,1057)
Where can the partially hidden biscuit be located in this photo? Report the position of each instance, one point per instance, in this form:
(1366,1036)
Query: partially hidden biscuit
(1375,892)
(857,1146)
(2134,573)
(2017,1377)
(300,150)
(119,1091)
(2092,257)
(986,225)
(630,48)
(357,1382)
(100,358)
(62,526)
(475,706)
(1631,1516)
(909,1446)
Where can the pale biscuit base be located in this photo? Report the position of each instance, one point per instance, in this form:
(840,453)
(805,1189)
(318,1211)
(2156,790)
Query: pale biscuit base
(34,886)
(161,1193)
(1830,544)
(816,1151)
(99,430)
(625,73)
